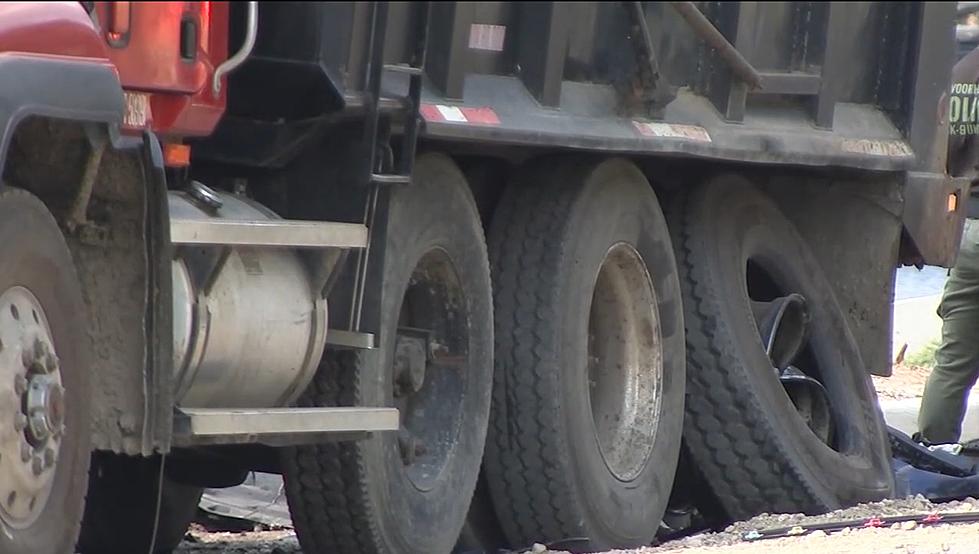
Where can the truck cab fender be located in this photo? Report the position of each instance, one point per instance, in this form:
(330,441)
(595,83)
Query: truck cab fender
(54,63)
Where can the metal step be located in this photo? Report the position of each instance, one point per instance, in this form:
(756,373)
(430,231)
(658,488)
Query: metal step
(402,68)
(341,338)
(278,426)
(274,233)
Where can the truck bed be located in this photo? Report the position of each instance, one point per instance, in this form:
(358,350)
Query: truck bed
(582,76)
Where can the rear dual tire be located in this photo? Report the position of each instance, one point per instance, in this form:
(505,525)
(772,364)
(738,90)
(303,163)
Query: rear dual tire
(746,434)
(407,492)
(588,392)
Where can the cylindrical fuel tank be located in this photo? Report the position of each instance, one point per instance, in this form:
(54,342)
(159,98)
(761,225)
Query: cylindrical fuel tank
(249,330)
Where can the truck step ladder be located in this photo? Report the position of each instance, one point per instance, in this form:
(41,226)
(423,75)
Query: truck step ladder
(277,426)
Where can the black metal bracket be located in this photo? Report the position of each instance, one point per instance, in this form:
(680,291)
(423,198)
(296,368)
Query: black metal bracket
(654,90)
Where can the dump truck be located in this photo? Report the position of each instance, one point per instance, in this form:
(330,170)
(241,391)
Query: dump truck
(466,274)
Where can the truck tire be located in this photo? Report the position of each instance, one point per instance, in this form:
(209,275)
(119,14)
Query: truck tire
(122,507)
(746,430)
(45,359)
(407,492)
(588,393)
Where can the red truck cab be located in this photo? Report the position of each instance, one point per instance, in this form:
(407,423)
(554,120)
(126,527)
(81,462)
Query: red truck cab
(166,54)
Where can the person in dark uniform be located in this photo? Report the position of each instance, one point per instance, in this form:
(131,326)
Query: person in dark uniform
(957,359)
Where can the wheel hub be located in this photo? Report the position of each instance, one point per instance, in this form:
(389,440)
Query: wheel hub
(431,351)
(32,408)
(783,322)
(45,408)
(625,362)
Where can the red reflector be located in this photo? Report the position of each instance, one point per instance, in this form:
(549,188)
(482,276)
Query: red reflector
(442,113)
(176,155)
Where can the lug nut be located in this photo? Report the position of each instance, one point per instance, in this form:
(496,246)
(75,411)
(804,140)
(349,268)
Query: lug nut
(39,426)
(51,362)
(20,384)
(25,452)
(37,465)
(40,349)
(48,457)
(20,422)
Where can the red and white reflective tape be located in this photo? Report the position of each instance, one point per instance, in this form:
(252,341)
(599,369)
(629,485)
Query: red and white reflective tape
(441,113)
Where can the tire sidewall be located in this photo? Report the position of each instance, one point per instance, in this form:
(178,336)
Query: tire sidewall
(35,256)
(746,224)
(617,205)
(414,227)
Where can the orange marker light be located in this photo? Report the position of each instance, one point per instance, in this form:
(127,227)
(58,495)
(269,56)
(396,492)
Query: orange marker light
(953,202)
(176,155)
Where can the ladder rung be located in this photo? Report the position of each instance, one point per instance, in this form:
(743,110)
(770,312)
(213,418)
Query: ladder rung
(386,104)
(402,68)
(236,426)
(273,233)
(390,179)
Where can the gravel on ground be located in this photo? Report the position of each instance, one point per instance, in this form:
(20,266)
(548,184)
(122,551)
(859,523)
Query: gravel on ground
(200,541)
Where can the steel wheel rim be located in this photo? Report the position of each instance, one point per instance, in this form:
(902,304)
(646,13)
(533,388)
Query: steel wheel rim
(798,371)
(32,404)
(431,354)
(625,362)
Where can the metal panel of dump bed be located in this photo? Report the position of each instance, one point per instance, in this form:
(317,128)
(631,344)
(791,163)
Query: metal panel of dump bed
(772,82)
(849,85)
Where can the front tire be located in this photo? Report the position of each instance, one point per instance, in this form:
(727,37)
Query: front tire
(45,365)
(121,514)
(408,492)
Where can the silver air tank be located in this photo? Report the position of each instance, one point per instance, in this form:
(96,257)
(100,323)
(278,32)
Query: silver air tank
(248,328)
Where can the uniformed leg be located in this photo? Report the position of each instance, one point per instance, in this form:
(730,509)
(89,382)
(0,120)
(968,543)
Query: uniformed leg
(957,359)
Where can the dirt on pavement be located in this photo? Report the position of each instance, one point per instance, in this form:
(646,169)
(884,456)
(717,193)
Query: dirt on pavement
(907,538)
(200,541)
(898,539)
(907,381)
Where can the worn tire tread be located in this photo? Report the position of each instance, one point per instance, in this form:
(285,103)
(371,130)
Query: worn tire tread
(533,498)
(331,476)
(742,464)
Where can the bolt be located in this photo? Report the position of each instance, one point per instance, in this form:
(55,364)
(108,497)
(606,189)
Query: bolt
(20,422)
(407,444)
(20,384)
(25,452)
(51,362)
(40,350)
(37,465)
(48,457)
(410,361)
